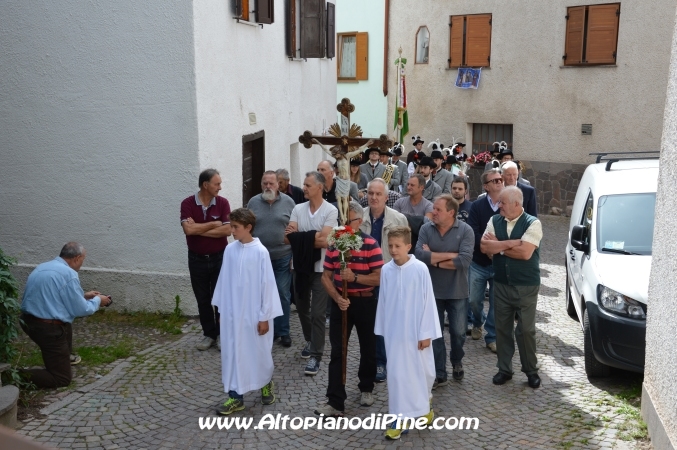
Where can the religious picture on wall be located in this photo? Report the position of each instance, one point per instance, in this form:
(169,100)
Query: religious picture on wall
(468,78)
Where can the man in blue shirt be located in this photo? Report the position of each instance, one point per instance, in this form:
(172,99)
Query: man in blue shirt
(52,299)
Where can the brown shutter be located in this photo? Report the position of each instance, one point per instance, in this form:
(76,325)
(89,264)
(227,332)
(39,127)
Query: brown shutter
(290,28)
(265,11)
(362,56)
(312,28)
(478,40)
(456,41)
(331,30)
(602,33)
(573,47)
(244,9)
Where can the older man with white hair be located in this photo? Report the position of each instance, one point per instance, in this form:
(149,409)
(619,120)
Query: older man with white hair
(510,174)
(512,239)
(377,220)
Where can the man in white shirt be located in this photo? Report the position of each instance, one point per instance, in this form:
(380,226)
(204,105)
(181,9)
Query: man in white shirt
(319,216)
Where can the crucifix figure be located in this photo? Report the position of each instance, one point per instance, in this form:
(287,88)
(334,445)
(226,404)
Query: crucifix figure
(345,142)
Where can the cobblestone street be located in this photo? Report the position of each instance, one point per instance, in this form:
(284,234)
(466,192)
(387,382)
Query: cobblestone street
(154,399)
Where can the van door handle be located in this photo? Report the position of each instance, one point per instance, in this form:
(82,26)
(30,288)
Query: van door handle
(573,255)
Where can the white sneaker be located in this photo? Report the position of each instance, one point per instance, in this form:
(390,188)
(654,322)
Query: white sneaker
(476,333)
(366,399)
(205,343)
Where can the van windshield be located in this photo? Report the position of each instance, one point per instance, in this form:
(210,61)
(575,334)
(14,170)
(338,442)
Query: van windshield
(625,223)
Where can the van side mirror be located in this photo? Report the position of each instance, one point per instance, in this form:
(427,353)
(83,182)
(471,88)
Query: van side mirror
(579,235)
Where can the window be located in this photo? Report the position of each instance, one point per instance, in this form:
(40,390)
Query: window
(353,60)
(264,10)
(620,232)
(422,45)
(485,134)
(470,40)
(592,34)
(310,29)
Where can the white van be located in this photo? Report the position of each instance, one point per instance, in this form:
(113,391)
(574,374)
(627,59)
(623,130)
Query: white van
(608,260)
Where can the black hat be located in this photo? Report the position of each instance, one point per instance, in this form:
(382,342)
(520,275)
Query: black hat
(355,162)
(373,149)
(386,152)
(428,161)
(505,151)
(451,159)
(436,154)
(460,144)
(417,139)
(397,151)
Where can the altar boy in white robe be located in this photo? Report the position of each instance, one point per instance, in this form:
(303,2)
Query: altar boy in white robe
(247,297)
(406,317)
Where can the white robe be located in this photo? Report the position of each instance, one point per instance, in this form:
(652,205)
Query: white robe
(246,294)
(406,314)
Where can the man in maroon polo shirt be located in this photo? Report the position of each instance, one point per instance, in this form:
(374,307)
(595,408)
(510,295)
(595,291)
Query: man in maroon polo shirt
(205,219)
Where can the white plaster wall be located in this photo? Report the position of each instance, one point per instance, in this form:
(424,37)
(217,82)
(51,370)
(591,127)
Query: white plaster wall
(660,375)
(98,139)
(527,87)
(371,106)
(242,69)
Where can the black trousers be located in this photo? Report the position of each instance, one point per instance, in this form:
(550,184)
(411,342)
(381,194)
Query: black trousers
(56,343)
(362,315)
(204,272)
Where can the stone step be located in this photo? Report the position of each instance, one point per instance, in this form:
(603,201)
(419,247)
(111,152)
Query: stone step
(9,395)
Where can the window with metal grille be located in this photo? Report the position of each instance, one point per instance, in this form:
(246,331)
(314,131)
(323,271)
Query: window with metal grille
(485,134)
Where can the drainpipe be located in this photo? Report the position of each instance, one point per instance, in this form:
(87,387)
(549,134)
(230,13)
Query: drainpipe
(385,48)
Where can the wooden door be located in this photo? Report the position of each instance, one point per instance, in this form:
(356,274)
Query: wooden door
(253,165)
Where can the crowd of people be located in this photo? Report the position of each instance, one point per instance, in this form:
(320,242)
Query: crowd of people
(429,255)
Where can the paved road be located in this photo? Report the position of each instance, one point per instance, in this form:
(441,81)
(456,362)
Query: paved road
(154,399)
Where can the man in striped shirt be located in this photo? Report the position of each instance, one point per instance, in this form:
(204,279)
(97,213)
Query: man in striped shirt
(363,274)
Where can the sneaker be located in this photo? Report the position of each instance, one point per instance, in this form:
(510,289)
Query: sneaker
(328,411)
(366,399)
(458,372)
(394,433)
(285,341)
(218,342)
(313,366)
(231,405)
(305,353)
(268,393)
(476,333)
(430,416)
(439,382)
(205,343)
(75,360)
(492,346)
(381,374)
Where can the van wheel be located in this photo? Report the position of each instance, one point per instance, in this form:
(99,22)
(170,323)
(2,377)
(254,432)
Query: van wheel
(593,368)
(571,309)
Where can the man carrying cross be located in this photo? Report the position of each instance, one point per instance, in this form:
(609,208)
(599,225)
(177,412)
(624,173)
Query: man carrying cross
(363,274)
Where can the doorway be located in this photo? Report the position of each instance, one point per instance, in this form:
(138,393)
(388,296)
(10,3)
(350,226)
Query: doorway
(253,165)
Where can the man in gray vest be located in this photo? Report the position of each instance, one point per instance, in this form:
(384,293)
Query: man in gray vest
(273,210)
(512,239)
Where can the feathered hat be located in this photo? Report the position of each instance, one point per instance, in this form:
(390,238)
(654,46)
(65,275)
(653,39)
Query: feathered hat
(417,139)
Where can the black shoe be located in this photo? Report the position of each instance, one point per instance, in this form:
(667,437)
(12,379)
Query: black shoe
(285,341)
(458,372)
(501,378)
(534,381)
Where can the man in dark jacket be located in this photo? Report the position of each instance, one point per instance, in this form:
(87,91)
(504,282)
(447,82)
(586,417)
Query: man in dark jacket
(510,173)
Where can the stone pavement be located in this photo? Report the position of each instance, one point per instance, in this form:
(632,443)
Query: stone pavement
(154,399)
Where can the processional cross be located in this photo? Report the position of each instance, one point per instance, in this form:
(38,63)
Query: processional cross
(345,142)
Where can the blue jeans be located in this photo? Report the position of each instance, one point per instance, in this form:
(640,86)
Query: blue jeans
(457,310)
(282,272)
(478,278)
(235,395)
(381,359)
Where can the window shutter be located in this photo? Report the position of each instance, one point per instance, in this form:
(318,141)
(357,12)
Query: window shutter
(573,47)
(242,8)
(362,56)
(290,28)
(456,41)
(602,33)
(331,30)
(478,40)
(312,28)
(265,10)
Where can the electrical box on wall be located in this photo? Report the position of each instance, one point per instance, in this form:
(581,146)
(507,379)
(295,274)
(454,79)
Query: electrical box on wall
(252,118)
(586,129)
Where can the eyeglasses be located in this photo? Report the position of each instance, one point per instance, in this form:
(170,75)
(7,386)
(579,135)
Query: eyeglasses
(353,220)
(495,181)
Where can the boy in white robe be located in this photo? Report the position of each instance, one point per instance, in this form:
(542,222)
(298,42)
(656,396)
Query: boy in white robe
(247,297)
(406,317)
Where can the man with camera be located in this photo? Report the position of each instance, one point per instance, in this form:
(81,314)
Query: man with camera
(52,299)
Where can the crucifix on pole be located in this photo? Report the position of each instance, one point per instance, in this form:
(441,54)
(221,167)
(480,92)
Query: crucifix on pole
(345,142)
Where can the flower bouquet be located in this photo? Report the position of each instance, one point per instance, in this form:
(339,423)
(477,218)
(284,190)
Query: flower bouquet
(483,158)
(344,239)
